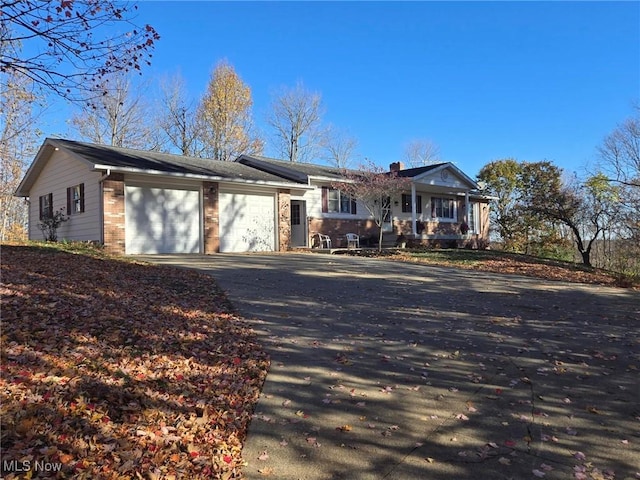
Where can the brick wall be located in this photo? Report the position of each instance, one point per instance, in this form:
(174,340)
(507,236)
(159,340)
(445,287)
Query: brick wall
(113,215)
(211,218)
(337,228)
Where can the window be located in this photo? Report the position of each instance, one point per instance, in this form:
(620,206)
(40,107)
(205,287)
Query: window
(75,199)
(472,217)
(335,201)
(443,208)
(406,203)
(295,214)
(46,206)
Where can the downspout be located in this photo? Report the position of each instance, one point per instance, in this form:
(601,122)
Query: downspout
(414,230)
(466,207)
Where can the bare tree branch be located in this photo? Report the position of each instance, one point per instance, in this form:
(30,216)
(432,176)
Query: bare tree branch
(295,116)
(71,45)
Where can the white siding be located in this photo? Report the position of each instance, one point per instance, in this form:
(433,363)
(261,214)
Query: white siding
(314,206)
(60,172)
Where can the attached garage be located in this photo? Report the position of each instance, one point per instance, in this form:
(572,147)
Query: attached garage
(247,221)
(162,220)
(137,202)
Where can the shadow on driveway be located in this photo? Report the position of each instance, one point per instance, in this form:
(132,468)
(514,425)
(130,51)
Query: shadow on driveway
(385,370)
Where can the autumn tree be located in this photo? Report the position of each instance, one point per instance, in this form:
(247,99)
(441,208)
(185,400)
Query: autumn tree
(586,208)
(375,189)
(338,147)
(295,116)
(177,119)
(226,126)
(18,144)
(70,46)
(418,153)
(503,182)
(119,117)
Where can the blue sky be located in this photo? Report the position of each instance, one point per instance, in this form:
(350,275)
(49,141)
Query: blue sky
(482,80)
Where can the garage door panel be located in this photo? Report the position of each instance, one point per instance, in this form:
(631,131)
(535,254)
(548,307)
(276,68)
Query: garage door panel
(159,220)
(247,222)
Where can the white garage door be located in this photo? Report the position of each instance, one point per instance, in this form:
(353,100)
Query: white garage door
(161,220)
(247,222)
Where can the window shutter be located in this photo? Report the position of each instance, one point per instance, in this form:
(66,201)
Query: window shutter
(69,200)
(433,207)
(50,212)
(353,206)
(82,197)
(325,199)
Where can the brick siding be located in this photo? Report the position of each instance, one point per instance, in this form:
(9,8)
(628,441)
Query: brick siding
(337,228)
(211,218)
(113,214)
(284,220)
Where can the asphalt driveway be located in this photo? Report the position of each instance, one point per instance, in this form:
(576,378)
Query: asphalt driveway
(388,370)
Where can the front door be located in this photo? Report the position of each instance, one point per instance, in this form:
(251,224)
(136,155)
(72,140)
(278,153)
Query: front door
(298,223)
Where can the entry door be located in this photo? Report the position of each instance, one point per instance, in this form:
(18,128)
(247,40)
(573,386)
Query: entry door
(298,223)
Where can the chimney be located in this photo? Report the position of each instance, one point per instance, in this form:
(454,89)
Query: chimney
(396,167)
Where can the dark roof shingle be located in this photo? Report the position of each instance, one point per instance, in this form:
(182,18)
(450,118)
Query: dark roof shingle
(119,157)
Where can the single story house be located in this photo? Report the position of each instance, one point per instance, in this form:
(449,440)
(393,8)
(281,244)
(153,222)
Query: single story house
(139,202)
(442,198)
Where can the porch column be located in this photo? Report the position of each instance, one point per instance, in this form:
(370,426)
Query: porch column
(413,210)
(466,207)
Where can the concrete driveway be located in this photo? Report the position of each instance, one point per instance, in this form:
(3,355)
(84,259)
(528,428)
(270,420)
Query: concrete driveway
(388,370)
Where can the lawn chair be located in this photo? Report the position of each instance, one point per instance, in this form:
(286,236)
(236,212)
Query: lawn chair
(353,240)
(324,241)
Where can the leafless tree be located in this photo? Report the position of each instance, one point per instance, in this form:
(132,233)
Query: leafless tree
(120,117)
(619,161)
(339,147)
(295,117)
(620,152)
(72,44)
(177,118)
(418,153)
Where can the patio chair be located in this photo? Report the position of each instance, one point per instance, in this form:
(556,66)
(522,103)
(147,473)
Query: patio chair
(324,241)
(353,240)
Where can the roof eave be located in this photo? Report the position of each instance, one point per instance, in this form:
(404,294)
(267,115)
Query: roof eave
(464,176)
(195,176)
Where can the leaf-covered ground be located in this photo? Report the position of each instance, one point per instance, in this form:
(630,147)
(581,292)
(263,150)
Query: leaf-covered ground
(113,369)
(509,263)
